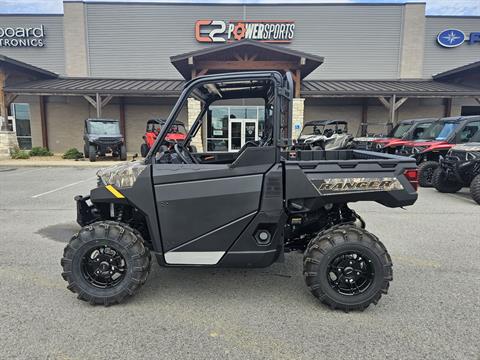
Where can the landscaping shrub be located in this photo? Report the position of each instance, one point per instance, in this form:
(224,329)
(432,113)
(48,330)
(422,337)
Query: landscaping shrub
(16,153)
(72,153)
(40,151)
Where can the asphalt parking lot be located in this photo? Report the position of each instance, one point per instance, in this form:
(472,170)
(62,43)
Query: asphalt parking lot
(431,312)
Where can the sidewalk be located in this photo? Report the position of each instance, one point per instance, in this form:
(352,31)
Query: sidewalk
(47,161)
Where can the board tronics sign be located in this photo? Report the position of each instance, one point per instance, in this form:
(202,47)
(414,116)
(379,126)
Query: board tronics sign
(219,31)
(451,38)
(22,36)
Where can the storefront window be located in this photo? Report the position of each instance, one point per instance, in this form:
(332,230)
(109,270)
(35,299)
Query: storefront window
(229,127)
(21,113)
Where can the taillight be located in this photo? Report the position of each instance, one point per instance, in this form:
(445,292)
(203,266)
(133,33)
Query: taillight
(412,177)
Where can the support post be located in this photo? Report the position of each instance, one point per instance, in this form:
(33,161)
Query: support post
(3,101)
(99,105)
(43,121)
(297,83)
(448,107)
(392,106)
(364,124)
(122,119)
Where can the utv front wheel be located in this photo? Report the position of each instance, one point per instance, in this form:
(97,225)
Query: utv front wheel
(443,184)
(347,268)
(123,153)
(92,153)
(475,189)
(425,173)
(105,263)
(144,150)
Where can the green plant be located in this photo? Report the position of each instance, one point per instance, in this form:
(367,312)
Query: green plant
(40,151)
(16,153)
(72,153)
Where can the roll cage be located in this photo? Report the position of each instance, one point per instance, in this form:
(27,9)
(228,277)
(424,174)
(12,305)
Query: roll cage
(276,90)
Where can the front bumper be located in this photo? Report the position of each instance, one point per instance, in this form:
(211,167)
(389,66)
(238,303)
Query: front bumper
(86,214)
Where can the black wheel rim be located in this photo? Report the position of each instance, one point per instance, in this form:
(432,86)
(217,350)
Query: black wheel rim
(103,266)
(350,273)
(429,174)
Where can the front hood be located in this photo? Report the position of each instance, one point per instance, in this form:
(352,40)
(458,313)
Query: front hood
(424,143)
(121,175)
(365,138)
(474,146)
(383,140)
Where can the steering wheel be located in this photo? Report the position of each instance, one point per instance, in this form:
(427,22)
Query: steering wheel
(180,151)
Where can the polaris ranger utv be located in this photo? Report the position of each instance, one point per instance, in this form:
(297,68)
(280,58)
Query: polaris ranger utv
(242,209)
(459,168)
(102,136)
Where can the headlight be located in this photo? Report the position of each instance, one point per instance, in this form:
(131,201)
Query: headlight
(122,175)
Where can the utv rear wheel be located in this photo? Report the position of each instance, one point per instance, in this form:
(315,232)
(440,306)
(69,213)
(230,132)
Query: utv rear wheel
(123,153)
(475,189)
(443,184)
(85,151)
(144,150)
(105,263)
(425,173)
(347,268)
(92,153)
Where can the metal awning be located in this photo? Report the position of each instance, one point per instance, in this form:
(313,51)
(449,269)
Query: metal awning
(90,86)
(375,88)
(310,88)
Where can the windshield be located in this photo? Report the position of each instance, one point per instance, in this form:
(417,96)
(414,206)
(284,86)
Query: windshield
(440,131)
(103,128)
(321,129)
(400,130)
(418,132)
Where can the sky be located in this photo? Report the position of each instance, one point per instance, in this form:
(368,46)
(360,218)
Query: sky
(434,7)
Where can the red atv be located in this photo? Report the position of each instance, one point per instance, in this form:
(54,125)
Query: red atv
(440,137)
(177,133)
(408,130)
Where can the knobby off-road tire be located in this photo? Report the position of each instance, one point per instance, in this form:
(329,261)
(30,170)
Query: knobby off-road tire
(441,182)
(122,242)
(123,153)
(347,268)
(85,151)
(144,150)
(475,189)
(92,153)
(425,173)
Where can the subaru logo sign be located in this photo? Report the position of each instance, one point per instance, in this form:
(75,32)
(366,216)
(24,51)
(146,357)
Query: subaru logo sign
(451,38)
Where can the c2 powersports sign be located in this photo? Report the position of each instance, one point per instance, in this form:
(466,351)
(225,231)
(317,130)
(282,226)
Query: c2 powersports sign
(219,31)
(451,38)
(22,36)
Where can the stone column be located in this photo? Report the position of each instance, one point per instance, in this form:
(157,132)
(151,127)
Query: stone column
(8,141)
(413,41)
(298,114)
(75,35)
(193,108)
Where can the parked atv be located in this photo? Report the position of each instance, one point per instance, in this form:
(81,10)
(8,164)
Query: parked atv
(242,209)
(102,136)
(375,143)
(442,136)
(324,135)
(460,168)
(177,133)
(416,131)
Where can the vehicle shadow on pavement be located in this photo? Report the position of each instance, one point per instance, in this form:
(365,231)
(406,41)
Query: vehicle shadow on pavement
(59,232)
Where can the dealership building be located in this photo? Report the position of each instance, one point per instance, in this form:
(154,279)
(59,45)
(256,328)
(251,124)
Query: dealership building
(369,64)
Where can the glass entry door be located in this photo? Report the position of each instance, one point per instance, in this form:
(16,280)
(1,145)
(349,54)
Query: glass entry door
(241,131)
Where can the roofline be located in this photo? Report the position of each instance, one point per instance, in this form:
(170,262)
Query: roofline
(457,70)
(241,3)
(280,49)
(27,66)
